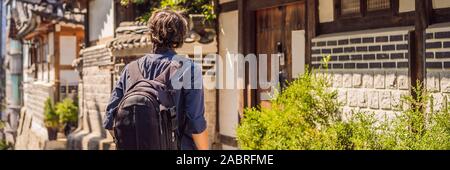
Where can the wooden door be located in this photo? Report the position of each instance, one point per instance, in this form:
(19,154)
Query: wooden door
(274,26)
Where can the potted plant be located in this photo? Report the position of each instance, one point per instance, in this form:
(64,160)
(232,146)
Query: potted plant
(3,144)
(67,112)
(51,120)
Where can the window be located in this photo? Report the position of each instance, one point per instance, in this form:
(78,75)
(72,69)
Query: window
(358,8)
(377,5)
(349,7)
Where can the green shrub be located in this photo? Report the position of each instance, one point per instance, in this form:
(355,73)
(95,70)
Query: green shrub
(67,110)
(416,129)
(2,124)
(296,118)
(4,145)
(51,119)
(306,116)
(204,7)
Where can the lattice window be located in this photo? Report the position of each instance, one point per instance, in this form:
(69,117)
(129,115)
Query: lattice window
(349,7)
(376,5)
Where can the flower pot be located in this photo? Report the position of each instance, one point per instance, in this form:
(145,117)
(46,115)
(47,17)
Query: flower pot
(52,133)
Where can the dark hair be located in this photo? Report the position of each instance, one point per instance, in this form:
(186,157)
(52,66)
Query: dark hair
(168,29)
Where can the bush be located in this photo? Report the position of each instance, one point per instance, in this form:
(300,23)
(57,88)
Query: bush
(306,116)
(3,144)
(296,118)
(51,119)
(2,125)
(67,111)
(416,129)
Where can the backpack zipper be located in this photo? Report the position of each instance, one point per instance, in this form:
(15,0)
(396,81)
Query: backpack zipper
(136,127)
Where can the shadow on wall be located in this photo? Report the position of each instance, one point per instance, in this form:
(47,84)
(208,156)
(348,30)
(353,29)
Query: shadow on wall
(87,137)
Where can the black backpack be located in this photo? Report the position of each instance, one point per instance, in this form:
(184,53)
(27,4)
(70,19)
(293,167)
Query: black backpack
(146,117)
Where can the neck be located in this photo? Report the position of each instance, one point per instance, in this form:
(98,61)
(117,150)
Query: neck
(161,50)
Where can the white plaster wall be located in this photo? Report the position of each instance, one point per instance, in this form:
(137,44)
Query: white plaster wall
(68,47)
(68,77)
(298,53)
(101,19)
(228,98)
(437,4)
(406,5)
(326,11)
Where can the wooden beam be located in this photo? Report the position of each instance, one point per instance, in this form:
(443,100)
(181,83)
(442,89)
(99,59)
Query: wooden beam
(260,4)
(422,21)
(217,104)
(395,5)
(368,22)
(440,15)
(228,6)
(228,140)
(56,63)
(66,67)
(243,40)
(412,58)
(336,9)
(246,45)
(312,21)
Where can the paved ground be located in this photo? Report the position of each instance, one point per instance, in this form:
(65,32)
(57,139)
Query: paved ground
(60,144)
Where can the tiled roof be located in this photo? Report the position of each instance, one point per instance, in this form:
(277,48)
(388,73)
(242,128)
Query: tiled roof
(130,35)
(135,35)
(26,13)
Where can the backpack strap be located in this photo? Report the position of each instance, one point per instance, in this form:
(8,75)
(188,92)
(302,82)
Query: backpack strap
(134,72)
(164,77)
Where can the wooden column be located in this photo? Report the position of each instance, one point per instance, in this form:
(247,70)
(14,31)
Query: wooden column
(417,58)
(246,45)
(312,21)
(56,61)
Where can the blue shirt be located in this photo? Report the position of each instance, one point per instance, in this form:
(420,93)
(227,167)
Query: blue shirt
(189,101)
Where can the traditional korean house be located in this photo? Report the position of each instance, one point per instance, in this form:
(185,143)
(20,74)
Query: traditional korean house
(111,48)
(50,35)
(378,48)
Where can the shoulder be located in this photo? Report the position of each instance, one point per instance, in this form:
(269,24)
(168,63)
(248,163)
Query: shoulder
(186,62)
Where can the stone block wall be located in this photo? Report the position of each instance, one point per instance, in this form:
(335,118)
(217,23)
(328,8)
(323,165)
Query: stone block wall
(438,64)
(32,133)
(94,94)
(210,115)
(369,69)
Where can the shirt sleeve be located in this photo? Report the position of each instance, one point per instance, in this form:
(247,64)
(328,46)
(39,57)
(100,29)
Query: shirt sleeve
(194,104)
(116,96)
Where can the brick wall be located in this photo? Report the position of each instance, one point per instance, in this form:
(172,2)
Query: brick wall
(438,64)
(369,69)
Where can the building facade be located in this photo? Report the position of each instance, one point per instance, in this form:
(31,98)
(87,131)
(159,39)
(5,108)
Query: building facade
(44,39)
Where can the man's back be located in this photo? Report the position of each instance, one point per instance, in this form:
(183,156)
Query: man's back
(188,100)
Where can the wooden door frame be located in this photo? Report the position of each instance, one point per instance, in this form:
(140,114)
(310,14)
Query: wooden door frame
(247,35)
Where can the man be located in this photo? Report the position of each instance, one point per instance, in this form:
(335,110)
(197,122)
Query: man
(167,31)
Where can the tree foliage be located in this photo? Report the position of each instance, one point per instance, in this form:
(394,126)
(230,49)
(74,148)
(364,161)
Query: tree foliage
(204,7)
